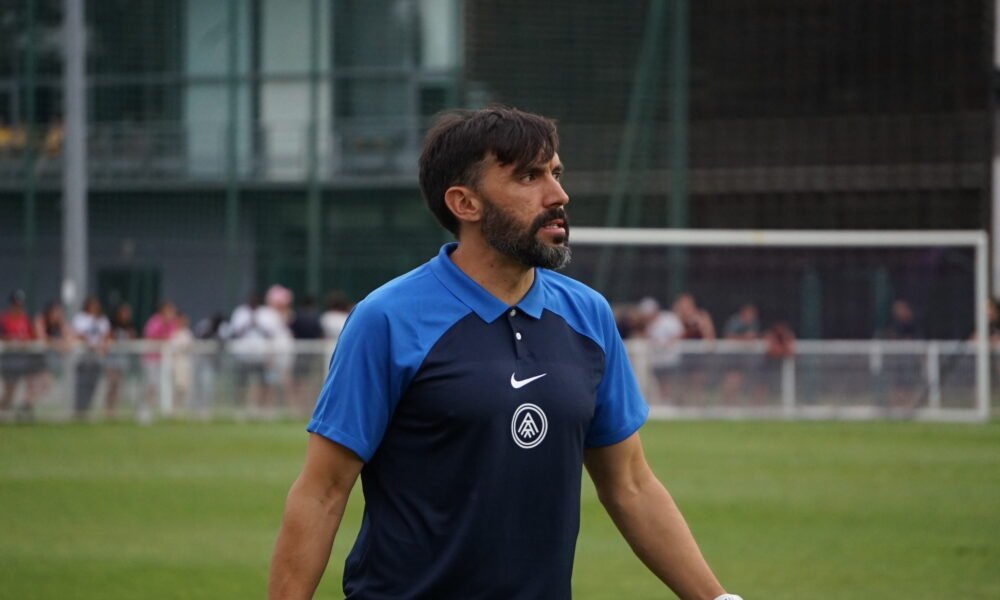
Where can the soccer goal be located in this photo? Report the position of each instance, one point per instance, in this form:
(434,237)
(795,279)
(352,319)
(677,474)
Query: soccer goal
(799,324)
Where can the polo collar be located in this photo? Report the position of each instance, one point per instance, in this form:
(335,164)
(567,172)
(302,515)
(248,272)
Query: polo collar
(486,305)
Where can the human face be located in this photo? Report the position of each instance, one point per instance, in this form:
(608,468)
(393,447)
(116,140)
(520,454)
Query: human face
(169,311)
(523,214)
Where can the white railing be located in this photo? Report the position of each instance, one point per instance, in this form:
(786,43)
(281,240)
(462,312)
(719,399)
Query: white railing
(867,379)
(145,379)
(933,380)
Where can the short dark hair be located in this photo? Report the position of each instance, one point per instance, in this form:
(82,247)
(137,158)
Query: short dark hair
(459,141)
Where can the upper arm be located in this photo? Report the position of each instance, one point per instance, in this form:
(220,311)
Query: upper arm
(619,409)
(619,468)
(330,468)
(361,388)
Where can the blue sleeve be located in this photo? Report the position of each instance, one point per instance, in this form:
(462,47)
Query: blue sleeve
(361,391)
(620,409)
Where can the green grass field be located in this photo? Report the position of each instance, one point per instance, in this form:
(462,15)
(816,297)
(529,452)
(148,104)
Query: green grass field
(782,510)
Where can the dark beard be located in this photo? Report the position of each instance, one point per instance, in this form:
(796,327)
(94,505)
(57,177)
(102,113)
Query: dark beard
(506,236)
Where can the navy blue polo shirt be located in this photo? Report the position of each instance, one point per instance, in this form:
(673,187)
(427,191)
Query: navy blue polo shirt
(472,417)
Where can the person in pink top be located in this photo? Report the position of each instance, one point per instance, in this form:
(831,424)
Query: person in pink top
(160,327)
(162,324)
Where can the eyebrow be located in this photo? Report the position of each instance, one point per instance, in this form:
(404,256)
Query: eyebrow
(538,168)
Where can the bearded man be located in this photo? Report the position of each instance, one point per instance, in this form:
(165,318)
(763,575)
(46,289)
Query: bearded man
(470,392)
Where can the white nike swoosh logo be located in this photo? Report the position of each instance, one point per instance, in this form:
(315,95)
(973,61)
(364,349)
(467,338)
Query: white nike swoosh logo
(514,383)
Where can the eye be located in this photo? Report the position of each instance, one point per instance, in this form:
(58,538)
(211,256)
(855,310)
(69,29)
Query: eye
(528,177)
(557,175)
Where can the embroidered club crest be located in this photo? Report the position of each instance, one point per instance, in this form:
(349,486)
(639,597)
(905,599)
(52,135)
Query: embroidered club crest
(529,426)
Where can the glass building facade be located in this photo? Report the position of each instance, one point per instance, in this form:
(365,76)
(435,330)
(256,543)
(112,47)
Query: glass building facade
(236,143)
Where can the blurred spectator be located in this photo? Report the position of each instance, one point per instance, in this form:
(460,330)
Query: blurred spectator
(779,346)
(698,325)
(902,323)
(118,360)
(697,322)
(741,326)
(630,321)
(55,333)
(262,343)
(211,328)
(92,328)
(181,339)
(274,318)
(663,330)
(905,370)
(210,332)
(248,346)
(242,322)
(306,323)
(992,323)
(779,342)
(338,307)
(20,362)
(308,361)
(159,327)
(51,326)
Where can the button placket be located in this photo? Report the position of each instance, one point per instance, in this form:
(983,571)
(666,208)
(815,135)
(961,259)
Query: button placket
(513,316)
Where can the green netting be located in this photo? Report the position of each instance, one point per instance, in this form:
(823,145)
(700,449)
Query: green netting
(237,143)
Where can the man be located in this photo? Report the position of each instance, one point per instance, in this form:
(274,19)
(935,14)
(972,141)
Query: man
(468,394)
(91,327)
(905,371)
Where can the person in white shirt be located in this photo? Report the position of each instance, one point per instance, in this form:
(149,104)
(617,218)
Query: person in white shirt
(263,345)
(338,307)
(91,327)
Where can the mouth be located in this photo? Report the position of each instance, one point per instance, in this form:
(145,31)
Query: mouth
(554,226)
(555,230)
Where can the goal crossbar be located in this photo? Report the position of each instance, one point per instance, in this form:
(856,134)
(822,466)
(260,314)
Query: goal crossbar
(774,237)
(977,240)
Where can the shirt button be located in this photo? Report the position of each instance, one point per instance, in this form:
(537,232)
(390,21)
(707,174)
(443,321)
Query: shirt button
(518,335)
(513,312)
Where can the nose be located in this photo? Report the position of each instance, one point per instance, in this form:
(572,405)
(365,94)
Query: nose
(557,195)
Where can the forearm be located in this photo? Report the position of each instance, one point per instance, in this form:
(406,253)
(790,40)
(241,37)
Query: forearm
(308,528)
(652,524)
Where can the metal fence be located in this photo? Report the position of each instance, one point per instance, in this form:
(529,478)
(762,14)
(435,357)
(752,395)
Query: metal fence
(869,379)
(146,380)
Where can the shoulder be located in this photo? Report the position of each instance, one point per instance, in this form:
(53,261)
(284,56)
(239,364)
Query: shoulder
(566,292)
(394,299)
(584,309)
(413,310)
(403,298)
(397,324)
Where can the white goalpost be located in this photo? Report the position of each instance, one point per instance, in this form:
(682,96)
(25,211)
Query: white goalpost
(875,353)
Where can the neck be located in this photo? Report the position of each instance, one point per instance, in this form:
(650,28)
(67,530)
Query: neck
(505,278)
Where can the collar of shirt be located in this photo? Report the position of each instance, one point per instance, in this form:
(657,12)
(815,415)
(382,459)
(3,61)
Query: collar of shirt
(486,305)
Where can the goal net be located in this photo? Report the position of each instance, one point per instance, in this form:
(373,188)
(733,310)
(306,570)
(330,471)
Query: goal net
(798,324)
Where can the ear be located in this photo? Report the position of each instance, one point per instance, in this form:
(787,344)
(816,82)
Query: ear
(464,204)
